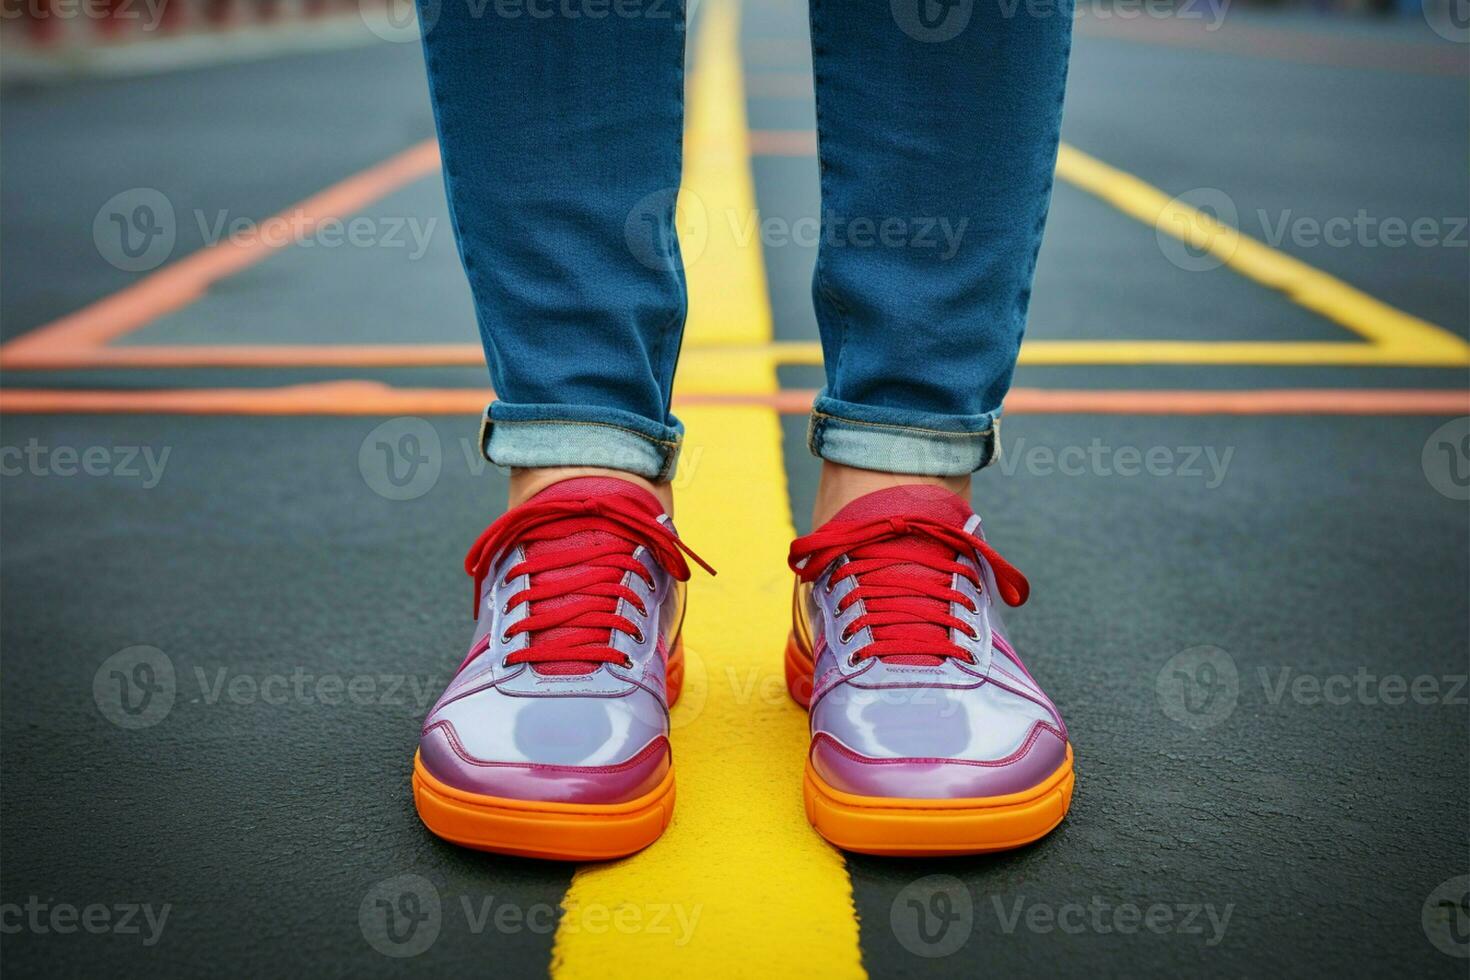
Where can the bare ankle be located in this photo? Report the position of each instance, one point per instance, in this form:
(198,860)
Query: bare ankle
(840,485)
(526,483)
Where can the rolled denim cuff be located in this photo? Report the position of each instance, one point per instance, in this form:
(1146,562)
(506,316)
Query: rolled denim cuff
(578,435)
(896,440)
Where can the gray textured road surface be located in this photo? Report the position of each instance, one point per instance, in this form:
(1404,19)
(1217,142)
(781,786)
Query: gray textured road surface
(1261,654)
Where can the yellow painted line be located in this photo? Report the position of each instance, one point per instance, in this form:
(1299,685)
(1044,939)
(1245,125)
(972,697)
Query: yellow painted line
(739,885)
(1329,353)
(1393,337)
(1396,337)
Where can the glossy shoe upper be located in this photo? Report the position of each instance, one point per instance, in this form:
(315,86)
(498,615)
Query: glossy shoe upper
(916,692)
(564,694)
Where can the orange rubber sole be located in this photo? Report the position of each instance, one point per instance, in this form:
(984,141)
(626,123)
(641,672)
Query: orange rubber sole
(924,827)
(554,831)
(936,828)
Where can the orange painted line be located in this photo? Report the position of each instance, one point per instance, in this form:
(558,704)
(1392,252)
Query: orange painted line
(783,142)
(316,398)
(180,283)
(244,355)
(376,398)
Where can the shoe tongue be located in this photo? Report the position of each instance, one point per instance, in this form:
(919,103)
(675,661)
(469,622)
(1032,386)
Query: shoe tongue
(580,488)
(912,500)
(584,487)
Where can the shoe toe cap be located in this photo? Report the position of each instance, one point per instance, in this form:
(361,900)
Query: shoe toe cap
(442,753)
(1040,755)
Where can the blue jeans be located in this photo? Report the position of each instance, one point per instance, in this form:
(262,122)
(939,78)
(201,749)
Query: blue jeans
(560,134)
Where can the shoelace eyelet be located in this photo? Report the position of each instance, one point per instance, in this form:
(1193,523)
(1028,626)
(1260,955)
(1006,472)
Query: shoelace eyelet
(637,635)
(844,637)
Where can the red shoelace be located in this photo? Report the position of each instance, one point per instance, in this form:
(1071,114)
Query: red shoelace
(579,608)
(903,580)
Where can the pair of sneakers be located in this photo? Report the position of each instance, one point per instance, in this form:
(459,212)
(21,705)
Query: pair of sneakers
(928,735)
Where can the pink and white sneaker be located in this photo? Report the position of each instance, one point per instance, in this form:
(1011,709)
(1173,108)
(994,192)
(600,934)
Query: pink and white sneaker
(552,741)
(929,736)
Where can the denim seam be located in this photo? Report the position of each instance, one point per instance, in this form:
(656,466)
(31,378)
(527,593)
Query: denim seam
(904,428)
(815,429)
(432,73)
(677,320)
(819,270)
